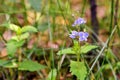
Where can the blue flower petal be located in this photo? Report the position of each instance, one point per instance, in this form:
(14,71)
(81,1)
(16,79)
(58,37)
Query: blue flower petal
(86,34)
(83,36)
(81,39)
(79,21)
(74,34)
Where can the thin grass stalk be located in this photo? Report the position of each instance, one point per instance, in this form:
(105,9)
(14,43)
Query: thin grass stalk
(111,67)
(67,29)
(101,68)
(112,14)
(50,36)
(61,61)
(101,74)
(116,16)
(45,58)
(105,46)
(116,12)
(25,9)
(83,7)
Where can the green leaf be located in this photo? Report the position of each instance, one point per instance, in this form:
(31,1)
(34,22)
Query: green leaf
(87,48)
(66,51)
(28,29)
(29,65)
(78,69)
(109,54)
(8,64)
(84,49)
(105,66)
(118,64)
(52,75)
(14,27)
(24,36)
(12,46)
(2,62)
(15,38)
(20,43)
(20,37)
(36,4)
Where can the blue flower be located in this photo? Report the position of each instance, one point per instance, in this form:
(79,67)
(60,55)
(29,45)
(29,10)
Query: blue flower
(79,21)
(73,35)
(83,36)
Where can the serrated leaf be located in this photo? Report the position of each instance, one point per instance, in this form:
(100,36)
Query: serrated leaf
(84,49)
(12,46)
(78,69)
(15,38)
(14,27)
(28,29)
(66,51)
(20,37)
(20,43)
(35,4)
(24,36)
(87,48)
(29,65)
(52,75)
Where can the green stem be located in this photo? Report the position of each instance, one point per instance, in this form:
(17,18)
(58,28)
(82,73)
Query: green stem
(19,55)
(11,73)
(78,57)
(19,61)
(78,52)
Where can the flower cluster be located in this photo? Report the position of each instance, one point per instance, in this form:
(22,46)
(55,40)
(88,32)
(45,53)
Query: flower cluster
(81,35)
(74,34)
(79,21)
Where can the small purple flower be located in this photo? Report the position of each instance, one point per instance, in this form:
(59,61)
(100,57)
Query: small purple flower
(83,36)
(79,21)
(74,34)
